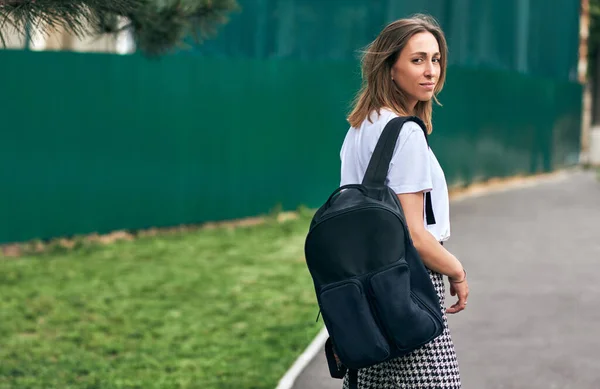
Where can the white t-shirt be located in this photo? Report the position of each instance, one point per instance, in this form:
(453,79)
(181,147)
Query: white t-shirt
(414,167)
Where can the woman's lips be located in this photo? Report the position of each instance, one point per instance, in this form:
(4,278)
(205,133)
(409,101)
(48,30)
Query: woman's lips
(428,85)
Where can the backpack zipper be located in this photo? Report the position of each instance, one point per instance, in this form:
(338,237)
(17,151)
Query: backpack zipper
(422,304)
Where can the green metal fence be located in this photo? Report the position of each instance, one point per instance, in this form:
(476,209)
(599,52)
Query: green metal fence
(536,37)
(94,143)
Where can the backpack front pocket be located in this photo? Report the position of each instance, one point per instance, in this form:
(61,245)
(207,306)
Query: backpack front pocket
(406,323)
(350,322)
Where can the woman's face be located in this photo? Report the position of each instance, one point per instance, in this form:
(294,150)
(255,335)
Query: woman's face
(417,68)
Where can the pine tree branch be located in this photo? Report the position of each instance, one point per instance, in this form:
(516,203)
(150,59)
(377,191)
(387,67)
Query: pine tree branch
(158,26)
(157,29)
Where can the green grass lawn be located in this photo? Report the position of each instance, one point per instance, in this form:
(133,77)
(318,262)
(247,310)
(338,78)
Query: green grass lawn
(210,309)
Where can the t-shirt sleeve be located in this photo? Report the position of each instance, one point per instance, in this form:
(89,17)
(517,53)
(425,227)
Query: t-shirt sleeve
(410,168)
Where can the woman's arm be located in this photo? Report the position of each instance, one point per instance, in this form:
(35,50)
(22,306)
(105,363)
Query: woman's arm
(433,254)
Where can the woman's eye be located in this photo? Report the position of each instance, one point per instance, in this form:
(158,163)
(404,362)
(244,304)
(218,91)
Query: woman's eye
(419,60)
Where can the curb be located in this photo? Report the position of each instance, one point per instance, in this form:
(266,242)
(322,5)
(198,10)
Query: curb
(287,381)
(505,185)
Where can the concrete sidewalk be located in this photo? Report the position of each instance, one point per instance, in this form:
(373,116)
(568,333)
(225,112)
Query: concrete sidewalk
(533,258)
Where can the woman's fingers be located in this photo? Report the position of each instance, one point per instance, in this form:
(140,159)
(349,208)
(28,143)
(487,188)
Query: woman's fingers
(462,290)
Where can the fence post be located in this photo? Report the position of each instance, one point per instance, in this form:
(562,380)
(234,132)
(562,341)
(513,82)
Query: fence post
(584,31)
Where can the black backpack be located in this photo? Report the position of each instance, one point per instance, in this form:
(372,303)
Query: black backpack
(373,290)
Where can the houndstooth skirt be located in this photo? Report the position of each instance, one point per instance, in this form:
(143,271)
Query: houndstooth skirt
(433,366)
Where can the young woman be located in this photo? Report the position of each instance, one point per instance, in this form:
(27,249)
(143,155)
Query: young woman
(403,70)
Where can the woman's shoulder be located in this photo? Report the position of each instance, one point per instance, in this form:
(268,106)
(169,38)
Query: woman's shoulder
(385,115)
(370,130)
(375,122)
(381,117)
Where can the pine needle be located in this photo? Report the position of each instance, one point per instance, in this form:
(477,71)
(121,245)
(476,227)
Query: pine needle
(158,26)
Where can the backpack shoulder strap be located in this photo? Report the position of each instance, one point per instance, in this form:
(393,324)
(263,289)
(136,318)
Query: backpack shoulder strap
(382,156)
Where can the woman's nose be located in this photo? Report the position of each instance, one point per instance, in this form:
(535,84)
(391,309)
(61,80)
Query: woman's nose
(430,70)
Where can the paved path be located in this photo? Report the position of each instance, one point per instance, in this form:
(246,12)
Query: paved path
(533,257)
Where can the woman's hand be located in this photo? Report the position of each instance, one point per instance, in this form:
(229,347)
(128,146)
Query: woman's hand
(433,254)
(459,288)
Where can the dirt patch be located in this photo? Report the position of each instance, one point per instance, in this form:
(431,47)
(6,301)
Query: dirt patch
(14,250)
(498,184)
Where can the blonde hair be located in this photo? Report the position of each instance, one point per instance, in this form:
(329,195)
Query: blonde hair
(378,90)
